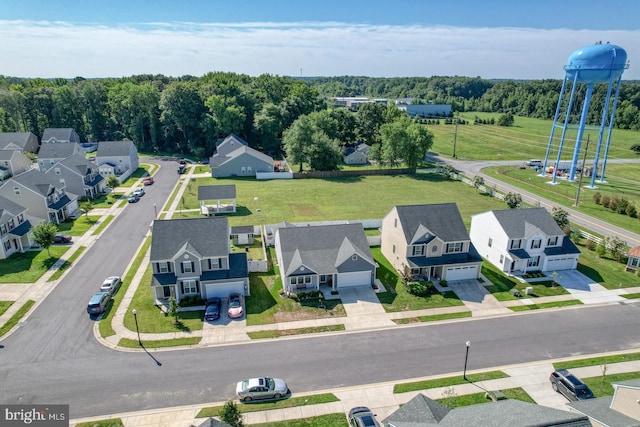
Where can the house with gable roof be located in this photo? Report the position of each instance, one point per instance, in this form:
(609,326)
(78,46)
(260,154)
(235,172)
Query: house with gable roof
(80,176)
(44,198)
(118,158)
(52,153)
(57,135)
(234,157)
(621,409)
(192,257)
(13,162)
(14,228)
(357,154)
(332,256)
(24,142)
(429,241)
(521,240)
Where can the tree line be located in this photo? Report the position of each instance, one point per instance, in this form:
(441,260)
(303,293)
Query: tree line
(186,115)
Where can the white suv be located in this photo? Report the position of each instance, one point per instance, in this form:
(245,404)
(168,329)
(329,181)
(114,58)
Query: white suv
(111,284)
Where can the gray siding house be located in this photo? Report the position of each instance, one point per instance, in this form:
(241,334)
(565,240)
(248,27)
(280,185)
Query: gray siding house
(25,142)
(45,200)
(233,157)
(117,158)
(14,228)
(55,135)
(330,256)
(79,175)
(13,162)
(52,153)
(356,154)
(192,258)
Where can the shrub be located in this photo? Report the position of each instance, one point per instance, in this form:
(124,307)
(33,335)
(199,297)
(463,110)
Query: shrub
(601,250)
(613,203)
(597,198)
(606,200)
(444,283)
(632,211)
(636,148)
(591,244)
(419,289)
(190,301)
(623,204)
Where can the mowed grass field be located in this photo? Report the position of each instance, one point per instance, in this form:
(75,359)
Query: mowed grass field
(300,200)
(526,139)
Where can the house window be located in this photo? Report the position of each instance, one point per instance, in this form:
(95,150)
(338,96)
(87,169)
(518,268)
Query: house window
(434,249)
(534,262)
(16,190)
(453,248)
(187,267)
(515,244)
(3,229)
(535,244)
(162,267)
(307,279)
(190,287)
(20,219)
(395,222)
(215,264)
(552,241)
(243,170)
(323,278)
(418,250)
(7,245)
(393,249)
(292,281)
(501,259)
(490,242)
(248,169)
(11,224)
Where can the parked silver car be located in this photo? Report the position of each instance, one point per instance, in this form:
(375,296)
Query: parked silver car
(261,388)
(111,284)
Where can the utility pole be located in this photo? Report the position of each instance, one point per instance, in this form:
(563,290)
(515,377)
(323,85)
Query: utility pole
(584,159)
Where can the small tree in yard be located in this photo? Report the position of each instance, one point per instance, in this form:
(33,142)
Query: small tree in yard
(513,200)
(477,182)
(173,310)
(617,247)
(449,171)
(86,207)
(601,249)
(560,216)
(112,182)
(231,415)
(44,234)
(554,279)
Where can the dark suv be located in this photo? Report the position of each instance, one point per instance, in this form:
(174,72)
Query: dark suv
(570,386)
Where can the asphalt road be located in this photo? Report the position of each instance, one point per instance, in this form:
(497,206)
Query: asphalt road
(54,358)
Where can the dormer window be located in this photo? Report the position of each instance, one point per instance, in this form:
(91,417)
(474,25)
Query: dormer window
(418,250)
(553,241)
(535,244)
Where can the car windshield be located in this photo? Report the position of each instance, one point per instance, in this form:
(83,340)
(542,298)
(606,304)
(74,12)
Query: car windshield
(367,420)
(583,393)
(213,308)
(234,302)
(271,384)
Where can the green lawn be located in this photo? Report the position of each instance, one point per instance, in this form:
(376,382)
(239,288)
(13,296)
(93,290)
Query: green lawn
(398,299)
(114,422)
(175,342)
(100,228)
(79,226)
(593,361)
(526,139)
(18,315)
(602,386)
(478,398)
(106,200)
(339,198)
(4,306)
(433,318)
(448,381)
(502,285)
(552,304)
(202,169)
(143,170)
(29,266)
(329,420)
(605,271)
(277,333)
(267,405)
(68,263)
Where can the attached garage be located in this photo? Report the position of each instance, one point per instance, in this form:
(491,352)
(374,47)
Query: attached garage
(563,263)
(465,272)
(223,290)
(357,278)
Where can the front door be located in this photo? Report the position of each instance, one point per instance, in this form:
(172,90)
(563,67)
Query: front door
(167,291)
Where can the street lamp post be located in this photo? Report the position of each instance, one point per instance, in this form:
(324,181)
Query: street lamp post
(466,357)
(155,211)
(135,317)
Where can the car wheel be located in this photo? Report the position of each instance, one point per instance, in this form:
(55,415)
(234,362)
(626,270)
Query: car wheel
(277,396)
(247,399)
(554,386)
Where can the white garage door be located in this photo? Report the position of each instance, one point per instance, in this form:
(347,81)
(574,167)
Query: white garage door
(559,264)
(462,273)
(358,278)
(223,290)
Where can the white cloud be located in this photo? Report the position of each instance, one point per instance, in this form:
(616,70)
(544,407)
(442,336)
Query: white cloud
(61,49)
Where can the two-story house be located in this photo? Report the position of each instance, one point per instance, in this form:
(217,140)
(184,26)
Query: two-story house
(44,199)
(52,153)
(13,162)
(118,158)
(425,242)
(57,135)
(80,176)
(14,228)
(24,142)
(234,157)
(521,240)
(335,256)
(192,257)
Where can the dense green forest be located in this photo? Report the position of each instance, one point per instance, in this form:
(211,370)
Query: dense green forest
(186,115)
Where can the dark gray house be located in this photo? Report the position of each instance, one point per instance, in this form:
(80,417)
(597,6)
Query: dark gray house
(234,157)
(54,135)
(422,411)
(191,257)
(25,142)
(333,256)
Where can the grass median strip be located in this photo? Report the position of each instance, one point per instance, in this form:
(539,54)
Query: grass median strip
(477,398)
(16,317)
(115,422)
(329,420)
(314,399)
(448,381)
(596,361)
(275,333)
(553,304)
(433,318)
(4,306)
(631,296)
(176,342)
(103,225)
(67,264)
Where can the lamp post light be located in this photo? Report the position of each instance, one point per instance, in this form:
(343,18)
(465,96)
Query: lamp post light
(155,211)
(466,357)
(135,317)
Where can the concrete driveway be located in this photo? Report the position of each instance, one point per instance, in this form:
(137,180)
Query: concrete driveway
(585,289)
(476,298)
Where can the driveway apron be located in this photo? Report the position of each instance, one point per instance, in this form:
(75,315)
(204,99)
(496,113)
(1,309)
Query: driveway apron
(477,299)
(585,289)
(363,309)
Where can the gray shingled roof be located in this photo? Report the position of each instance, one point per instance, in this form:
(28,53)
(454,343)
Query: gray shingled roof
(10,206)
(78,163)
(213,422)
(208,237)
(322,248)
(440,219)
(599,409)
(216,192)
(420,412)
(113,148)
(57,150)
(18,138)
(6,154)
(60,134)
(522,223)
(226,151)
(37,181)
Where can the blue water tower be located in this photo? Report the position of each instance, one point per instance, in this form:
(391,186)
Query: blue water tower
(597,64)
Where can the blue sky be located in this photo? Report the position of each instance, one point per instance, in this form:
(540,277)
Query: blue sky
(488,38)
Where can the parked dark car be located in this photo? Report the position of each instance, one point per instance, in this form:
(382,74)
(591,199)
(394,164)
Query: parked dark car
(62,238)
(570,386)
(181,169)
(362,416)
(212,311)
(99,303)
(133,198)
